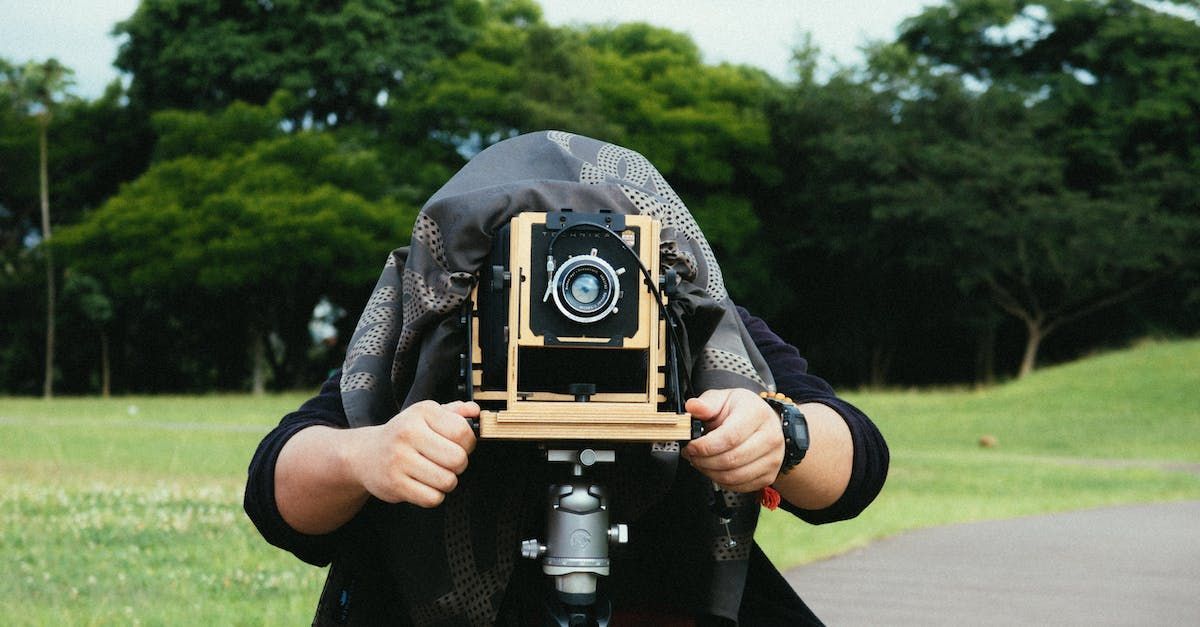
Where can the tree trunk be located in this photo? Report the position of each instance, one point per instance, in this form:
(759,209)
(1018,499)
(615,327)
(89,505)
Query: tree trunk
(258,351)
(48,381)
(881,363)
(105,369)
(985,357)
(1036,333)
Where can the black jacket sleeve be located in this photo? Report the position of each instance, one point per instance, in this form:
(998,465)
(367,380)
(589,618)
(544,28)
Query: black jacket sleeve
(791,377)
(259,501)
(870,450)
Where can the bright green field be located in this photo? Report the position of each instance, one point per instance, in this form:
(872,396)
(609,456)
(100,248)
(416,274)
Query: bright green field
(1099,431)
(128,511)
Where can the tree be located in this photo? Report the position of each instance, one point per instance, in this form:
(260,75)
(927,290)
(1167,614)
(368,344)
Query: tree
(342,59)
(861,304)
(1081,125)
(237,240)
(86,297)
(38,89)
(636,85)
(98,145)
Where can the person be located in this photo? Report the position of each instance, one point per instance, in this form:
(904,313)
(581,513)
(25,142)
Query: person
(360,498)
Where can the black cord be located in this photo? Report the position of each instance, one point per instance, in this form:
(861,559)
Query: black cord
(667,314)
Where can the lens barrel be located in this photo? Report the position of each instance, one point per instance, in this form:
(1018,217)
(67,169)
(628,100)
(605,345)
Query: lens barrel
(586,288)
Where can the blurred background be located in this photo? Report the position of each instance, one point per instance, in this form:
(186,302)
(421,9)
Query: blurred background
(198,195)
(979,218)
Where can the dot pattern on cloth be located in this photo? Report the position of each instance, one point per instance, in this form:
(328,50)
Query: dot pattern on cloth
(408,337)
(473,591)
(672,255)
(372,335)
(735,500)
(740,551)
(376,315)
(717,359)
(428,233)
(562,139)
(358,381)
(385,295)
(374,341)
(626,167)
(421,298)
(381,306)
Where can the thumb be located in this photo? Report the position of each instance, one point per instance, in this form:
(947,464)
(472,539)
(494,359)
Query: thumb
(708,406)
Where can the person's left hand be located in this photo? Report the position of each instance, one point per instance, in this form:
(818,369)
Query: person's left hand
(742,448)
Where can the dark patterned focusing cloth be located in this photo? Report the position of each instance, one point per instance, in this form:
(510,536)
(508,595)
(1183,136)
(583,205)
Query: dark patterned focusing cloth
(452,562)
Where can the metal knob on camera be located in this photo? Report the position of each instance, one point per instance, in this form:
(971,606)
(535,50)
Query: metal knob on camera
(578,533)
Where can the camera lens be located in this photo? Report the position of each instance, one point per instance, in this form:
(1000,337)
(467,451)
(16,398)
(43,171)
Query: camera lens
(586,288)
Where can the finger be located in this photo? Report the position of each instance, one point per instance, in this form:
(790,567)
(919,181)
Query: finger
(421,495)
(745,478)
(443,452)
(433,475)
(401,488)
(757,447)
(710,405)
(452,425)
(731,434)
(757,483)
(466,409)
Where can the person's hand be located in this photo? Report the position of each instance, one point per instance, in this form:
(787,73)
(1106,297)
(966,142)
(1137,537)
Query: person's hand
(742,448)
(417,456)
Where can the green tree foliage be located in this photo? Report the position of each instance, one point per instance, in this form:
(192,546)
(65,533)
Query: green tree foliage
(18,178)
(342,58)
(1071,186)
(89,312)
(982,152)
(859,306)
(96,146)
(633,84)
(1000,173)
(235,241)
(38,89)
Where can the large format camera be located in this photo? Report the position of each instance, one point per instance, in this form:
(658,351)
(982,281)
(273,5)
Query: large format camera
(571,344)
(570,332)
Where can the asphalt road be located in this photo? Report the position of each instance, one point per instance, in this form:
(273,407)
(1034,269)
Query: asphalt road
(1128,565)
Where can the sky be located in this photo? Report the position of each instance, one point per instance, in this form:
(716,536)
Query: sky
(761,33)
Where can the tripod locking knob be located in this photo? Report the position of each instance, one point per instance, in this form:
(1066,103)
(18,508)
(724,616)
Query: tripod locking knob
(618,534)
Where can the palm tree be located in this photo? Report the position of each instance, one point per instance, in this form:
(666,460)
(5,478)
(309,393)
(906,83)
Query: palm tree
(37,89)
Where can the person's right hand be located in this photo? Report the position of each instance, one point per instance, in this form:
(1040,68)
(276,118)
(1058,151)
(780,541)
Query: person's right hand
(417,456)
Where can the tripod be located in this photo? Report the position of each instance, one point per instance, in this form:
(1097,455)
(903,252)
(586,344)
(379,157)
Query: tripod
(578,536)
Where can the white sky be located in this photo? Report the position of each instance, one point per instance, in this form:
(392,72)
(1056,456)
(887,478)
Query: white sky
(755,32)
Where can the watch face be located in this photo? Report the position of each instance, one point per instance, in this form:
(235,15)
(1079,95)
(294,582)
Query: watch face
(795,433)
(797,429)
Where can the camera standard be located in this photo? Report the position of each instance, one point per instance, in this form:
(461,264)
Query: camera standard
(567,309)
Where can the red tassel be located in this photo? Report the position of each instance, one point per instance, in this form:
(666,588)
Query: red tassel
(770,498)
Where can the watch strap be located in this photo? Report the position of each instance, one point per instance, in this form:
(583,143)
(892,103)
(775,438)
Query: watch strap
(795,429)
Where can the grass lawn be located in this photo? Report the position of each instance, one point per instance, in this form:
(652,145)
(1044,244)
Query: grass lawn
(1099,431)
(128,510)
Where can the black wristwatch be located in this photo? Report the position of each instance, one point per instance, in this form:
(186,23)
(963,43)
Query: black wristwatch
(795,429)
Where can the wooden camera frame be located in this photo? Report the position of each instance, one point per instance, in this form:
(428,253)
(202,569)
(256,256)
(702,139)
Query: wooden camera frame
(521,410)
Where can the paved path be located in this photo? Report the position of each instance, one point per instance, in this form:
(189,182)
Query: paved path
(1129,565)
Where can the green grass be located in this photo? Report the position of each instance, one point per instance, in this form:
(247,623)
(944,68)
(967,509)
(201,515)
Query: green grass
(1095,432)
(112,515)
(128,511)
